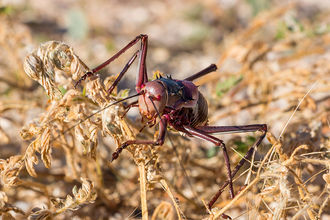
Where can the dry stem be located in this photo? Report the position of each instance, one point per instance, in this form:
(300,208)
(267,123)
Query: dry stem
(179,212)
(143,191)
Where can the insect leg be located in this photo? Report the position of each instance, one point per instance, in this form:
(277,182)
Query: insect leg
(203,72)
(203,135)
(101,66)
(143,76)
(129,106)
(159,141)
(233,129)
(121,74)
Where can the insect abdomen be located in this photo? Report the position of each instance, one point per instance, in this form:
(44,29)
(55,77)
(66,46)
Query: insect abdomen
(200,112)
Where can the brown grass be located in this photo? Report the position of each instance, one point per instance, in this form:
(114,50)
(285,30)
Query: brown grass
(56,143)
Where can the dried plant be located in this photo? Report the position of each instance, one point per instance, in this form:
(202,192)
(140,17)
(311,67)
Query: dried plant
(86,194)
(41,65)
(273,69)
(68,123)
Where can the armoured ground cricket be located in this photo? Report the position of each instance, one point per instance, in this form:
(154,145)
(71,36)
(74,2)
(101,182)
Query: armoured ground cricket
(177,103)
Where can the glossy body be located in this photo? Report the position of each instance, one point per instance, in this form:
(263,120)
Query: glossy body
(179,100)
(177,103)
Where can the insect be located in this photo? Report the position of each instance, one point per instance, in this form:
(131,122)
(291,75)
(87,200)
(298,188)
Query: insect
(179,104)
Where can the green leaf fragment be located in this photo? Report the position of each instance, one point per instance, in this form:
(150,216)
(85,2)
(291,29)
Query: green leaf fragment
(212,152)
(7,10)
(243,146)
(123,93)
(84,92)
(225,86)
(62,90)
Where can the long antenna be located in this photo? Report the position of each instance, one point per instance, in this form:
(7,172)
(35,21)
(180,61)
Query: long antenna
(98,111)
(177,155)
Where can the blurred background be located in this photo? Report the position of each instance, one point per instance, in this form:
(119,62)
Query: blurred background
(270,53)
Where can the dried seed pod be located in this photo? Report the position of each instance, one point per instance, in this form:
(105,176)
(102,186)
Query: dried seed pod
(84,195)
(41,65)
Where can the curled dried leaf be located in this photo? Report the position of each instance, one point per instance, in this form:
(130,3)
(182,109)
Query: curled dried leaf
(326,178)
(109,120)
(9,170)
(45,150)
(83,195)
(40,214)
(42,145)
(86,133)
(115,125)
(91,150)
(153,174)
(86,193)
(3,199)
(29,131)
(42,63)
(43,73)
(30,158)
(96,91)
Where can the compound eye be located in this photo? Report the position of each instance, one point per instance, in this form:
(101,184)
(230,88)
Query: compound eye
(156,98)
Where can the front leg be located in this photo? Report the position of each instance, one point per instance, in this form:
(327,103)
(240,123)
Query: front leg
(159,141)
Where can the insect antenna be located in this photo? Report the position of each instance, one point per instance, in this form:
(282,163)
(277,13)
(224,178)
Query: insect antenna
(203,72)
(98,111)
(177,155)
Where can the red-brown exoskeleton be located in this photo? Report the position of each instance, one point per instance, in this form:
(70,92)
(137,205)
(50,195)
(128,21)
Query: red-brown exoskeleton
(177,103)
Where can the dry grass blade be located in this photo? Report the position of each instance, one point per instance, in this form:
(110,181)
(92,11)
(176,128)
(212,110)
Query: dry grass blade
(269,53)
(163,211)
(295,110)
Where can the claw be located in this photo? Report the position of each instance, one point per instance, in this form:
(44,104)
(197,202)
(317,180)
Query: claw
(77,83)
(87,74)
(224,216)
(115,155)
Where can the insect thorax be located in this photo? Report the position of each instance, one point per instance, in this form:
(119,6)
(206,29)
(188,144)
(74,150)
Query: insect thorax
(175,89)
